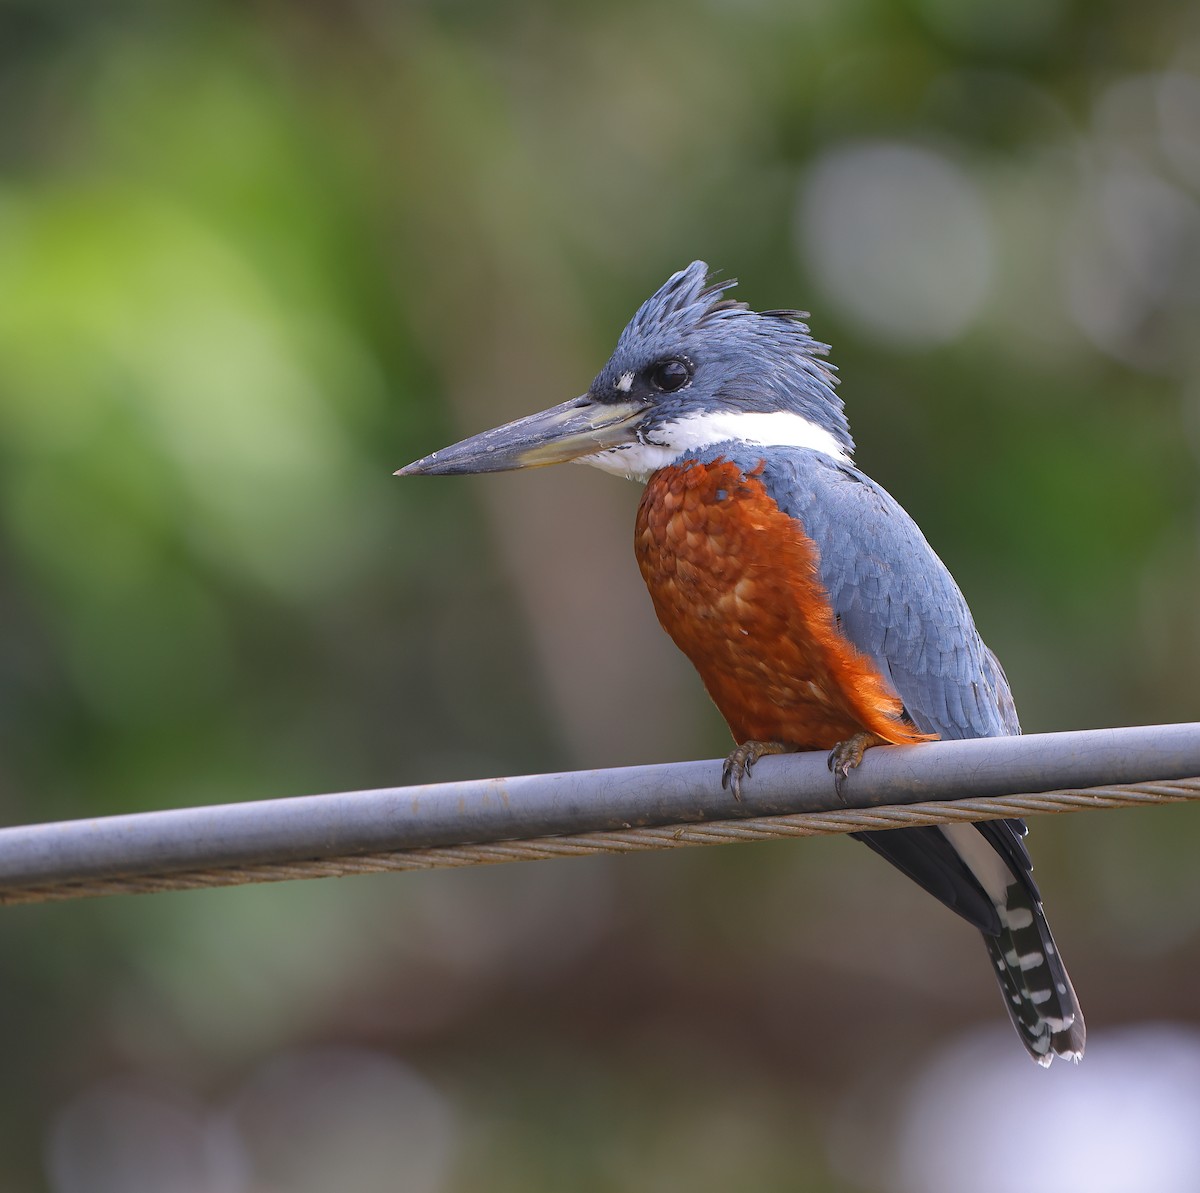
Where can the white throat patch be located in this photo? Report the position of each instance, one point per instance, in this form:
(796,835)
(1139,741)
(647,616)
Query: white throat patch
(779,428)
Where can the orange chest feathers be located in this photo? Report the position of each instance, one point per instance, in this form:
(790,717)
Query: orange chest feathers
(734,581)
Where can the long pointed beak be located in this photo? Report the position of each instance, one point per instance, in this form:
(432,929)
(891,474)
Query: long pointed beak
(577,428)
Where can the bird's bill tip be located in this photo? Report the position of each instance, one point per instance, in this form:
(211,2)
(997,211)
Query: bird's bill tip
(417,467)
(580,427)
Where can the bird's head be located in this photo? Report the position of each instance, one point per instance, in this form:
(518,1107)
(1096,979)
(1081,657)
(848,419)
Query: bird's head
(693,369)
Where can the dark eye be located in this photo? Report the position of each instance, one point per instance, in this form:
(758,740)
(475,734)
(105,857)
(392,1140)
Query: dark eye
(670,375)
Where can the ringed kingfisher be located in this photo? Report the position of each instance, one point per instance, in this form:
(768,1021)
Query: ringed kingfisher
(812,606)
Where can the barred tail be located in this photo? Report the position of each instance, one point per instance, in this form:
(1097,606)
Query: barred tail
(1037,991)
(983,872)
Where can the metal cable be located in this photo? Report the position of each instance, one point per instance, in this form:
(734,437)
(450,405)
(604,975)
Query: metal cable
(626,840)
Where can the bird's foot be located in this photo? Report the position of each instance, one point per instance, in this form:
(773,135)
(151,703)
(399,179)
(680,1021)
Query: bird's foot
(741,762)
(846,755)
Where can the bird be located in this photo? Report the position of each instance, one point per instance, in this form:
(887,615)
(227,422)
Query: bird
(814,609)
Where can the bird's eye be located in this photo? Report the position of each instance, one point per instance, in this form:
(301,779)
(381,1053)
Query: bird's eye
(670,375)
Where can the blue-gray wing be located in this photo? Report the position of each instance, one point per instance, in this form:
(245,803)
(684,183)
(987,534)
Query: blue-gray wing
(893,597)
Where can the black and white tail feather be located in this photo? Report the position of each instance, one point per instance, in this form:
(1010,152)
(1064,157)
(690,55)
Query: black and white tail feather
(1037,990)
(984,873)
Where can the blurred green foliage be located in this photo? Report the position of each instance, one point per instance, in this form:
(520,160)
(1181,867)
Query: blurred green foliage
(253,258)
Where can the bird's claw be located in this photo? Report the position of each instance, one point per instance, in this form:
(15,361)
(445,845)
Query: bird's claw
(846,755)
(741,762)
(841,766)
(737,767)
(732,773)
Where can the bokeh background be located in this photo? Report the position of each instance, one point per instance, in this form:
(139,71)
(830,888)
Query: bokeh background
(254,257)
